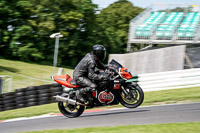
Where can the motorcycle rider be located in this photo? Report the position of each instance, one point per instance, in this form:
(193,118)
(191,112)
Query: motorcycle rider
(84,73)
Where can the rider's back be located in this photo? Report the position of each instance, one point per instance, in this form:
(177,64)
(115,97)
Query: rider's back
(81,70)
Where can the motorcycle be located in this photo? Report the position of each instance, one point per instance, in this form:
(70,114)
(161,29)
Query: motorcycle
(121,87)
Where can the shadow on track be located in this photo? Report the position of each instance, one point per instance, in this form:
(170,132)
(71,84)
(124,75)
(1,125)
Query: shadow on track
(113,113)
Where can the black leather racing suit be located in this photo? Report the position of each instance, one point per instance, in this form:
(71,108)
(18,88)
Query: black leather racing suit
(84,72)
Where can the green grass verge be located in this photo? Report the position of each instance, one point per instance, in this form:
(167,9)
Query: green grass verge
(186,95)
(27,74)
(29,111)
(190,127)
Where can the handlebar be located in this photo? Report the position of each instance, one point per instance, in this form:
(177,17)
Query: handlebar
(112,69)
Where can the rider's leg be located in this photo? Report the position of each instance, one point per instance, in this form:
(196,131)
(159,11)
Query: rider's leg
(88,87)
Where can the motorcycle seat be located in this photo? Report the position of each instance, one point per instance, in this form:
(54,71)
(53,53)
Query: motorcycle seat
(73,82)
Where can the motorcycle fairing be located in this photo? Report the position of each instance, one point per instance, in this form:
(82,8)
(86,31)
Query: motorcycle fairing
(133,79)
(116,86)
(125,73)
(65,80)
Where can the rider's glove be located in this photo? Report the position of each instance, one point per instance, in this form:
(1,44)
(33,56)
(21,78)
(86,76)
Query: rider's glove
(105,76)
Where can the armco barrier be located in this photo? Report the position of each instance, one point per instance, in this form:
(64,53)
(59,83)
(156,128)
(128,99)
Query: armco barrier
(170,80)
(30,96)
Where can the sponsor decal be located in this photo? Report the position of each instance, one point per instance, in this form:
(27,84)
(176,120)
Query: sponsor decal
(105,97)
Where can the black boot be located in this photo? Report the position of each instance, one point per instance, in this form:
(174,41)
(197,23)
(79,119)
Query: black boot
(90,101)
(80,94)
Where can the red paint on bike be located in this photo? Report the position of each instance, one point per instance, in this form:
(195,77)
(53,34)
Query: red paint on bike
(65,80)
(117,86)
(94,94)
(125,73)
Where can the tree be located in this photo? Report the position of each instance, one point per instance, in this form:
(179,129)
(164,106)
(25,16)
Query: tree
(8,18)
(33,21)
(27,25)
(178,9)
(113,24)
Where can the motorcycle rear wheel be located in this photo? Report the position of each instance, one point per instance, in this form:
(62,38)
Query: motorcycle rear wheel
(70,111)
(134,98)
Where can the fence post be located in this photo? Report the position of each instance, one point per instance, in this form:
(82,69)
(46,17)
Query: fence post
(1,85)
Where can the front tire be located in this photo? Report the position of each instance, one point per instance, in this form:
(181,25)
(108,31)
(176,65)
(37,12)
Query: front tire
(133,97)
(70,110)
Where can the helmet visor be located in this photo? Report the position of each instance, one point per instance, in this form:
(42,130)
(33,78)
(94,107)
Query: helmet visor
(100,54)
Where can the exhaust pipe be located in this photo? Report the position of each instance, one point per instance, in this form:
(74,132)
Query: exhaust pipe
(67,100)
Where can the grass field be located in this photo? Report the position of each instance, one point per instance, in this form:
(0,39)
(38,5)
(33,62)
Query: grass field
(186,95)
(27,74)
(191,127)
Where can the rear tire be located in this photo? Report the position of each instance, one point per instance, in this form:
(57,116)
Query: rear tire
(136,96)
(63,107)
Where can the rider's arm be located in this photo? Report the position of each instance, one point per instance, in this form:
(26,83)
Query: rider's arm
(101,65)
(92,74)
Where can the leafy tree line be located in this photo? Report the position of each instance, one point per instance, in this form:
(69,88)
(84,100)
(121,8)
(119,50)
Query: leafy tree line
(25,27)
(178,9)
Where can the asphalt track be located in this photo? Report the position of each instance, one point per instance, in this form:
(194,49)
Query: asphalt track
(143,115)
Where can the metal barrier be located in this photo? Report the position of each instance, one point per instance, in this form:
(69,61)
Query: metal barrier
(170,80)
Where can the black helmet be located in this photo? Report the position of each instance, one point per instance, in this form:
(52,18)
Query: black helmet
(99,51)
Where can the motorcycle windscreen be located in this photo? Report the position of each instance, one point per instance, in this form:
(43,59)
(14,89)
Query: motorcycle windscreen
(115,64)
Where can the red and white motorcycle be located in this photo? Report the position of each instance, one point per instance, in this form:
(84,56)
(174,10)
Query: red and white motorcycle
(120,88)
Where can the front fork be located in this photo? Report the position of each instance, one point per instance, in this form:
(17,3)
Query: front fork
(127,93)
(124,90)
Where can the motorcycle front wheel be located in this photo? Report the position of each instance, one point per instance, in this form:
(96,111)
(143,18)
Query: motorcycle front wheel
(70,110)
(131,96)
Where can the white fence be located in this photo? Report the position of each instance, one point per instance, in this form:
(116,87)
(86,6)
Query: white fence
(170,80)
